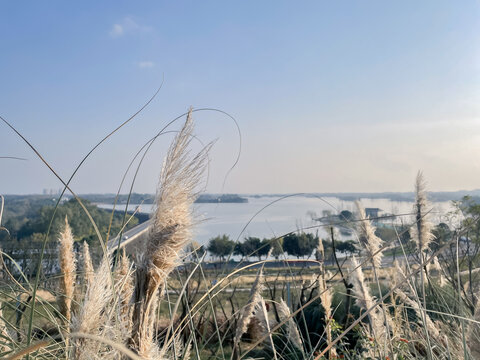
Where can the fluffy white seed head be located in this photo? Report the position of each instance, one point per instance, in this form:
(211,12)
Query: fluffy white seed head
(422,229)
(369,242)
(68,268)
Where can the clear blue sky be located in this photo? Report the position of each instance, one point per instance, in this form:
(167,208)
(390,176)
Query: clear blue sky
(329,95)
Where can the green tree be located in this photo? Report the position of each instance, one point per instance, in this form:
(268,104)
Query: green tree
(82,228)
(346,215)
(264,248)
(299,245)
(251,246)
(220,246)
(386,234)
(277,244)
(347,246)
(442,234)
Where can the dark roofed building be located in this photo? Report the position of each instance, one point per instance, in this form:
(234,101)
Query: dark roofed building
(372,213)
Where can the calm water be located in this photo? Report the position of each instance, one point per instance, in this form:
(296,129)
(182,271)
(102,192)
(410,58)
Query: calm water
(282,216)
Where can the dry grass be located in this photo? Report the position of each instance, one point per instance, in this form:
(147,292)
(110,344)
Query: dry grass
(150,308)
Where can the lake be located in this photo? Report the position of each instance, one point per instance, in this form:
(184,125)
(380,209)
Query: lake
(268,216)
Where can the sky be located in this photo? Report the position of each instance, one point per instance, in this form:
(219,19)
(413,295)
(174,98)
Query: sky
(329,96)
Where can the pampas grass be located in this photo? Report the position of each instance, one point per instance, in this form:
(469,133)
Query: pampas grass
(367,238)
(122,313)
(422,230)
(88,270)
(365,301)
(249,309)
(68,268)
(293,334)
(92,317)
(169,233)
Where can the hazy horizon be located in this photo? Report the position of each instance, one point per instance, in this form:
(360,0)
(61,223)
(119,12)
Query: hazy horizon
(251,194)
(329,96)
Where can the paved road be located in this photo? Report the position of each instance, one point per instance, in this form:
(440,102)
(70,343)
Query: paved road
(128,236)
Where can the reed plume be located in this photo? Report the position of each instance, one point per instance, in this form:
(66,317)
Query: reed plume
(92,317)
(68,268)
(424,318)
(124,285)
(367,238)
(169,233)
(365,301)
(262,315)
(473,334)
(422,231)
(88,270)
(5,337)
(326,300)
(320,251)
(249,309)
(422,234)
(124,281)
(435,266)
(293,334)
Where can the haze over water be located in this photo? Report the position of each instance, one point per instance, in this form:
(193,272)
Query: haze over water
(285,215)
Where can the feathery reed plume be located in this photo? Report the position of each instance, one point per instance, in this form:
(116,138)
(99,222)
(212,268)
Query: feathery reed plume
(422,231)
(124,288)
(367,238)
(4,335)
(435,266)
(124,281)
(473,334)
(249,309)
(262,315)
(68,268)
(87,265)
(428,323)
(169,233)
(320,250)
(292,331)
(92,317)
(365,301)
(326,299)
(422,234)
(2,203)
(373,245)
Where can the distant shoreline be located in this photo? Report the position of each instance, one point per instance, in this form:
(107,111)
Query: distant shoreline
(136,198)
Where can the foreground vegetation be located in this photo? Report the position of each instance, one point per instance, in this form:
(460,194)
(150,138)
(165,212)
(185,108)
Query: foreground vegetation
(166,303)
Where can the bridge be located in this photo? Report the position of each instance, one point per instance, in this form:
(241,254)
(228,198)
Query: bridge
(129,237)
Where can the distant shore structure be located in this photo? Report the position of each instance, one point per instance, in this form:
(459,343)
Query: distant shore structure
(372,213)
(224,198)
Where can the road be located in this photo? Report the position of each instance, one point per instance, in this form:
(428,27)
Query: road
(128,236)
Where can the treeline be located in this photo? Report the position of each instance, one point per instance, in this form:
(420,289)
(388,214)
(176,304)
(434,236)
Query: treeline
(296,244)
(135,198)
(301,245)
(28,219)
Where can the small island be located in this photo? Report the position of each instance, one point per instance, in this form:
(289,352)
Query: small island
(225,198)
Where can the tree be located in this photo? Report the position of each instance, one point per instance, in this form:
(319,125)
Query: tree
(442,234)
(386,234)
(251,246)
(346,215)
(345,246)
(277,244)
(221,246)
(264,248)
(301,244)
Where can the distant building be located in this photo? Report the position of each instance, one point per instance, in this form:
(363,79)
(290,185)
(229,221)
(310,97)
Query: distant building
(372,213)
